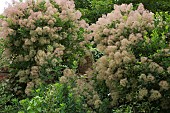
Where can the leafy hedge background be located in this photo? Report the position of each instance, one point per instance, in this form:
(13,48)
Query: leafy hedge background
(85,56)
(89,8)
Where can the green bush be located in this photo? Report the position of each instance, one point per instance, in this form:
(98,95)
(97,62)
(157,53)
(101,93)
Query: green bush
(42,39)
(8,104)
(4,62)
(1,45)
(4,96)
(56,98)
(152,5)
(93,9)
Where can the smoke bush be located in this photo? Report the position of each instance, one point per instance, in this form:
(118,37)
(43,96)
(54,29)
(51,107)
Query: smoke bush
(43,38)
(135,66)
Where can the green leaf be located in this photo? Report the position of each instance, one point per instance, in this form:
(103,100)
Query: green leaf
(62,105)
(39,109)
(29,107)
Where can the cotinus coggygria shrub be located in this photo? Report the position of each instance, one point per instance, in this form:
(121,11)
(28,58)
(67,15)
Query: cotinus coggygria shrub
(134,69)
(43,38)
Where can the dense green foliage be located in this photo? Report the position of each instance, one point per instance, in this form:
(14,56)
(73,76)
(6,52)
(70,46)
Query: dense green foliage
(152,5)
(56,98)
(3,60)
(93,9)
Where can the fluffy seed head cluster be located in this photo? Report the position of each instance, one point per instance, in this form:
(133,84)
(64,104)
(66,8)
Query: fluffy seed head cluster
(155,94)
(142,93)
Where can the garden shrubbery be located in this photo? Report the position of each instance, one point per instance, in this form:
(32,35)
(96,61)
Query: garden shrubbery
(56,98)
(152,5)
(60,64)
(89,8)
(129,70)
(42,39)
(3,59)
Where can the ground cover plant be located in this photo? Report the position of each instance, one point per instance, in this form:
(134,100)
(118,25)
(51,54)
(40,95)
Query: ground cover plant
(58,63)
